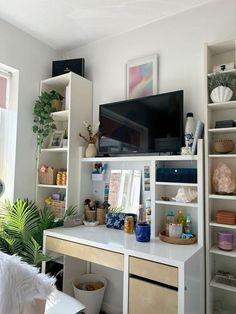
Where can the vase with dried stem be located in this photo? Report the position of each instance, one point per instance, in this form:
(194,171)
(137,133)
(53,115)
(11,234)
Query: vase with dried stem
(93,135)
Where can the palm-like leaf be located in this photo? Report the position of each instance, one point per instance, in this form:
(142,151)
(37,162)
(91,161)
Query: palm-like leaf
(20,220)
(10,245)
(46,221)
(33,253)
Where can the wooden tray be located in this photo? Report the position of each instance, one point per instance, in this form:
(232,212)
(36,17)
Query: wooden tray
(165,238)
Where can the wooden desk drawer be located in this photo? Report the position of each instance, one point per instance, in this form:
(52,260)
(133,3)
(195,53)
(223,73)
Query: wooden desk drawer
(85,252)
(146,297)
(154,271)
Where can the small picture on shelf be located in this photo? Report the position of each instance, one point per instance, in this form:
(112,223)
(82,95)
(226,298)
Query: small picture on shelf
(56,139)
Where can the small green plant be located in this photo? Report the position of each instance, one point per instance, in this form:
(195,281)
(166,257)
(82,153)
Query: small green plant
(21,229)
(55,95)
(221,79)
(43,121)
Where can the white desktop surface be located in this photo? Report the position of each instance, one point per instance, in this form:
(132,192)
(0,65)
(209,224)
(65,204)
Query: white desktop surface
(120,242)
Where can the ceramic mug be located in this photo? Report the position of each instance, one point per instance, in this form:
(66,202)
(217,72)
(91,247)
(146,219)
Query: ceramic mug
(142,232)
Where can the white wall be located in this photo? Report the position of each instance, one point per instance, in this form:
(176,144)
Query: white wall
(179,42)
(33,60)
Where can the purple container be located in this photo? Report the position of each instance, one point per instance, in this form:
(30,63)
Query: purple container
(225,240)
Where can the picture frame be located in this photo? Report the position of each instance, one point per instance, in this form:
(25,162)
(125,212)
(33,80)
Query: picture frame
(56,139)
(142,77)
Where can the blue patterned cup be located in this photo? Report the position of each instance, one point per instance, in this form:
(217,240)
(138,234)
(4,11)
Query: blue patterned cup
(142,232)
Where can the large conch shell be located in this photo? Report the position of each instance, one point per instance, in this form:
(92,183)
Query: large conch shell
(185,195)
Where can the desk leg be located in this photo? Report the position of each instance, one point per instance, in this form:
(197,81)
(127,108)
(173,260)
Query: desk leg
(73,267)
(126,284)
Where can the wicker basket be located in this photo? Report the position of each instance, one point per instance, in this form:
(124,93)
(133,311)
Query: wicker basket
(58,208)
(48,177)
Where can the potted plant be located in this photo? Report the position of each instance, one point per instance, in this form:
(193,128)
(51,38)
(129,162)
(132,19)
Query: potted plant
(43,121)
(220,86)
(21,229)
(93,135)
(56,100)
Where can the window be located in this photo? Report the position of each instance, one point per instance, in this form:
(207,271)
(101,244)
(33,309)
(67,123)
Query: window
(4,88)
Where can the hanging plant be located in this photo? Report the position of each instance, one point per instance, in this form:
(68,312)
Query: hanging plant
(43,120)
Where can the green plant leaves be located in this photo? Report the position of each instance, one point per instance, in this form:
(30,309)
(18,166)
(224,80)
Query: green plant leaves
(21,229)
(43,123)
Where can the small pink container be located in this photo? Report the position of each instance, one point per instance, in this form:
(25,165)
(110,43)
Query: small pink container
(225,240)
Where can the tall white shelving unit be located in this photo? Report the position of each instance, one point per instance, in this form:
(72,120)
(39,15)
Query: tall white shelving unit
(220,297)
(78,108)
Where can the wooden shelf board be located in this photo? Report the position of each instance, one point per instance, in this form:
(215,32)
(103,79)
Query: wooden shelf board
(170,203)
(177,184)
(222,130)
(222,197)
(222,155)
(213,223)
(141,158)
(227,71)
(59,81)
(54,150)
(222,286)
(222,105)
(52,186)
(60,115)
(215,250)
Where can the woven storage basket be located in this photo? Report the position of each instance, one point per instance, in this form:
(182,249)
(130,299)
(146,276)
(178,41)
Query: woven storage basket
(58,208)
(48,177)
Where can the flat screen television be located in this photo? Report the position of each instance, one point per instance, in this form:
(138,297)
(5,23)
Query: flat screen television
(147,125)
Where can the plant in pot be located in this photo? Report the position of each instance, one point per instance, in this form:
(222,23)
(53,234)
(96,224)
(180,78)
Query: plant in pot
(220,86)
(21,229)
(43,121)
(93,135)
(56,100)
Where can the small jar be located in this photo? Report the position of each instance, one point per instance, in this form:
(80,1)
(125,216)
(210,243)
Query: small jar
(225,240)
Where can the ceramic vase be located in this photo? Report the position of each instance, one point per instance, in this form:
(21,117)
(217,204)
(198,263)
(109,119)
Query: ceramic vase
(91,150)
(221,94)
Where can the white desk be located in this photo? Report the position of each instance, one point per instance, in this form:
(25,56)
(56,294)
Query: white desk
(115,249)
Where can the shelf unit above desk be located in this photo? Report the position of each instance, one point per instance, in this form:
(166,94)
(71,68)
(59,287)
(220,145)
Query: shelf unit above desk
(157,189)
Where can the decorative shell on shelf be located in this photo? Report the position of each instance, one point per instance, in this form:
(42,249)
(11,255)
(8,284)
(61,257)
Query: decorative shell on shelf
(221,94)
(185,195)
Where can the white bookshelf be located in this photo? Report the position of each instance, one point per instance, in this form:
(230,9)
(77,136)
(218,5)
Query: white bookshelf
(216,259)
(78,93)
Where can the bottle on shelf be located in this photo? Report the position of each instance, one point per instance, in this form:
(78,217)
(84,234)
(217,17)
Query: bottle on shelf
(188,228)
(180,217)
(148,210)
(170,219)
(189,131)
(141,214)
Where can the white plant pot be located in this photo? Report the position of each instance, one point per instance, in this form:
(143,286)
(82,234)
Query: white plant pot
(221,94)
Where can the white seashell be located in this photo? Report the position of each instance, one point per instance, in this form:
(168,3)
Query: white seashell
(221,94)
(185,195)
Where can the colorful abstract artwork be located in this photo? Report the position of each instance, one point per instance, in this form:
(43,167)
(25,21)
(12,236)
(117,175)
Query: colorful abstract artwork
(142,77)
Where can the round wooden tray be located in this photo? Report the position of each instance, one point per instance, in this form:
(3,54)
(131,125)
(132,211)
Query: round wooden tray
(165,238)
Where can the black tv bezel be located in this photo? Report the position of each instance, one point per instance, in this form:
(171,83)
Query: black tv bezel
(130,153)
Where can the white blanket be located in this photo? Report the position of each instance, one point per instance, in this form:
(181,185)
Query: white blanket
(21,283)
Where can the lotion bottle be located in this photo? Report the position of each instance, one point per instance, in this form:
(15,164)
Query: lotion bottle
(189,130)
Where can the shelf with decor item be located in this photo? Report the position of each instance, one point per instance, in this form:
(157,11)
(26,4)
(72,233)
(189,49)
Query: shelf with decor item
(220,156)
(60,148)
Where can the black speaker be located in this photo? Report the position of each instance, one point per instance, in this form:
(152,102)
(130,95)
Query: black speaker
(72,65)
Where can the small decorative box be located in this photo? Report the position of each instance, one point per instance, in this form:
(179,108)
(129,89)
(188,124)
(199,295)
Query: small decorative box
(225,217)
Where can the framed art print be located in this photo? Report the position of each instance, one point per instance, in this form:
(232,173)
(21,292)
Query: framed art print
(142,77)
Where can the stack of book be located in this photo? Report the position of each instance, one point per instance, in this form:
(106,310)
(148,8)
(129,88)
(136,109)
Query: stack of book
(225,124)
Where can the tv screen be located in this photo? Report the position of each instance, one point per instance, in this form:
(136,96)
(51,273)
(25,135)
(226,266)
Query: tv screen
(152,124)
